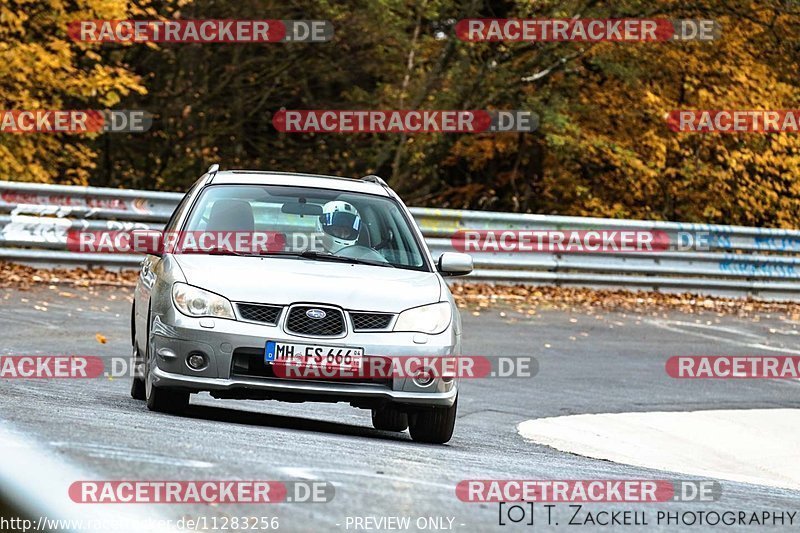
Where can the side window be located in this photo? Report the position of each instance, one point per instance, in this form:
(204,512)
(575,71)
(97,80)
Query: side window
(406,252)
(181,208)
(372,224)
(176,214)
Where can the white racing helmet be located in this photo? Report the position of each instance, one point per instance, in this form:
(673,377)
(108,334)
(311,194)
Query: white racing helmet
(340,225)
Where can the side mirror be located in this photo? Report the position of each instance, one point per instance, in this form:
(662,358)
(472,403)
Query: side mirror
(147,241)
(454,264)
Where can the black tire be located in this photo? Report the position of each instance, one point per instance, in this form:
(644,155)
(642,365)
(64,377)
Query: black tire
(168,401)
(137,383)
(161,399)
(389,419)
(137,389)
(434,425)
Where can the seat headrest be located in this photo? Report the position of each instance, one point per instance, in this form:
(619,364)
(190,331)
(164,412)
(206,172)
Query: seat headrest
(231,215)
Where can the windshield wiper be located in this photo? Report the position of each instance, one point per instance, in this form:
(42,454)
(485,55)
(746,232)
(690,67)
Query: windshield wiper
(213,251)
(327,256)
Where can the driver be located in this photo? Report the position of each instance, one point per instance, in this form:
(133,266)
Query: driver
(339,224)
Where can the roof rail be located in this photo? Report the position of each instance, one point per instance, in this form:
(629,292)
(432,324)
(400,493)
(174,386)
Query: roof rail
(375,179)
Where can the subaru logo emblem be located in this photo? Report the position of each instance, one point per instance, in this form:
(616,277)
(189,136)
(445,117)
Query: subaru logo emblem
(316,314)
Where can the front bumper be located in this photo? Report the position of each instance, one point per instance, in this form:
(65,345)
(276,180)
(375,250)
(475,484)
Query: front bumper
(297,390)
(174,336)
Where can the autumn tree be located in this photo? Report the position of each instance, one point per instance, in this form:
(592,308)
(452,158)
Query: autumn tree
(603,147)
(41,68)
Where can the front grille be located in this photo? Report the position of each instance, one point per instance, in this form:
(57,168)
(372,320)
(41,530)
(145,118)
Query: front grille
(266,314)
(331,325)
(370,321)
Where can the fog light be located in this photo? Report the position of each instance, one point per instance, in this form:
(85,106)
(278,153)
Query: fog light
(197,361)
(424,377)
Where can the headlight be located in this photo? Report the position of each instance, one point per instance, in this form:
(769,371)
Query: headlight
(197,302)
(426,319)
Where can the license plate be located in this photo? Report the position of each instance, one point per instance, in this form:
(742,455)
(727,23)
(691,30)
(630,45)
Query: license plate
(290,353)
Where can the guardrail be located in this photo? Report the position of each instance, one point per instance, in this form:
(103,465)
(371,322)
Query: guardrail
(35,218)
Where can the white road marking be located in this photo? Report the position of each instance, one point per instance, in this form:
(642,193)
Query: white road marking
(675,326)
(717,327)
(385,477)
(298,473)
(687,328)
(132,455)
(756,446)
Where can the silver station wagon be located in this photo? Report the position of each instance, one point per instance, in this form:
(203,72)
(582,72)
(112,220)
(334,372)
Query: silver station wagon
(344,287)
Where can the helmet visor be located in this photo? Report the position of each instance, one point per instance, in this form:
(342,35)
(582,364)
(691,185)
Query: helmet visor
(341,225)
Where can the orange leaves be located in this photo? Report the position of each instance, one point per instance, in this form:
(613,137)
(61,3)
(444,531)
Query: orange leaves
(42,68)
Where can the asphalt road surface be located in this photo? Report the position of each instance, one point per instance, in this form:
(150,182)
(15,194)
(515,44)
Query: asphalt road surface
(589,363)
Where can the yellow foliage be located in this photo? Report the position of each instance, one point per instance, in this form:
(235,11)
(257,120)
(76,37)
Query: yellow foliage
(623,151)
(42,68)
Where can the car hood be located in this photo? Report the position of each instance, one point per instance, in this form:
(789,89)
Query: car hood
(288,280)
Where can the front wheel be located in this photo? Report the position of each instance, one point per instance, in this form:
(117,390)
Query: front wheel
(137,389)
(164,400)
(434,424)
(137,381)
(389,419)
(167,401)
(161,399)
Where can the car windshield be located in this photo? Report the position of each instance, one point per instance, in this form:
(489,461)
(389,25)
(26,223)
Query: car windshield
(304,222)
